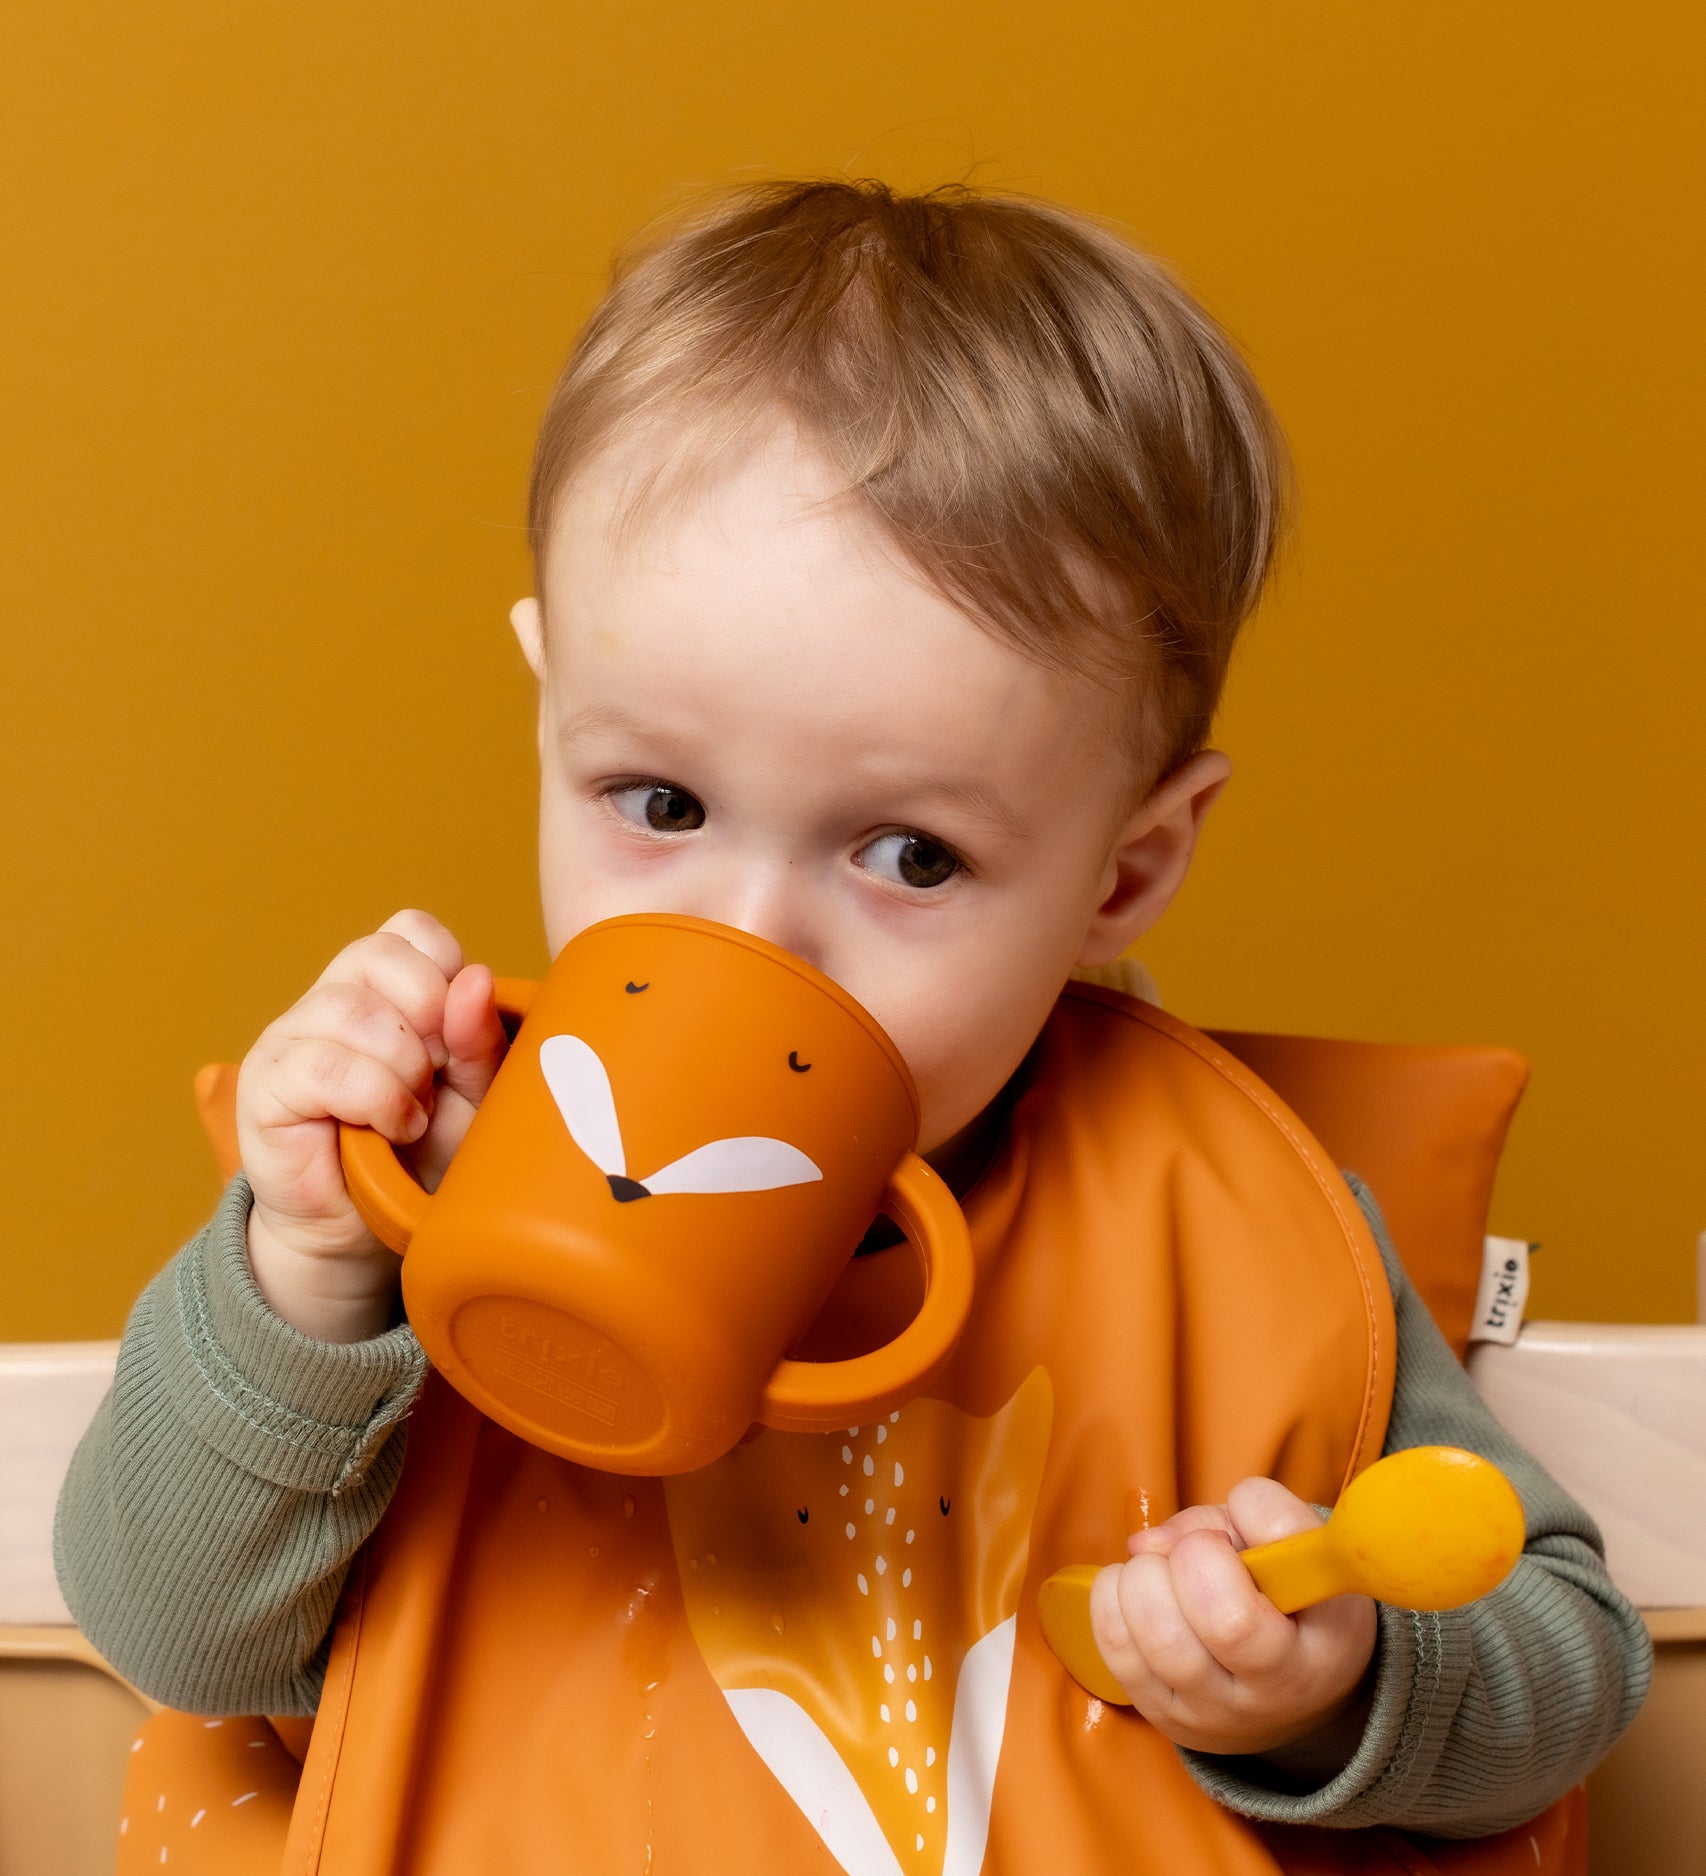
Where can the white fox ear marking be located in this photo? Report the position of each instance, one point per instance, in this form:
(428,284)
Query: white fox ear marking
(748,1163)
(581,1088)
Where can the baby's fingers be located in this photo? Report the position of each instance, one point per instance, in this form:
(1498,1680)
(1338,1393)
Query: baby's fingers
(1261,1510)
(1231,1618)
(474,1034)
(356,1019)
(428,936)
(316,1078)
(393,965)
(1144,1638)
(291,1093)
(1157,1540)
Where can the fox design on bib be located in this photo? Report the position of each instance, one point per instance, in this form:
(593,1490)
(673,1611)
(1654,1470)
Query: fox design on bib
(855,1597)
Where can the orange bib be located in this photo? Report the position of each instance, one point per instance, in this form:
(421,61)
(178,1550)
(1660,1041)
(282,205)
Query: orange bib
(821,1652)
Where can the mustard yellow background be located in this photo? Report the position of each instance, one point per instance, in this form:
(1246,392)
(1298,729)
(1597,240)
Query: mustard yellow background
(282,291)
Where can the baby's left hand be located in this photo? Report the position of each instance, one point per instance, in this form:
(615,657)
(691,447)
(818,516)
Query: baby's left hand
(1205,1657)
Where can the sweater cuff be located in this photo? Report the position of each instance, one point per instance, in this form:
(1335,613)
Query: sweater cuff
(1422,1662)
(300,1413)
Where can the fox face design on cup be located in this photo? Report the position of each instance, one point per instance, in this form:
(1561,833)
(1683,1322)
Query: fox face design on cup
(580,1085)
(690,1134)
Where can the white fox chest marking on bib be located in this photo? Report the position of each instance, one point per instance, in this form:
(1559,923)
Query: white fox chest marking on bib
(854,1595)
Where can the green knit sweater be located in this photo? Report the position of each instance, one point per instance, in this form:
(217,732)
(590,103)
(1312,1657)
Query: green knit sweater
(236,1465)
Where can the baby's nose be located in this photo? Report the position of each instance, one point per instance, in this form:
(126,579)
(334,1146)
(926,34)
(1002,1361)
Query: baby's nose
(773,903)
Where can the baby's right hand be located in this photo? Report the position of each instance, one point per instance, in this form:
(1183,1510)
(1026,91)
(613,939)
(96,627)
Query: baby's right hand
(361,1046)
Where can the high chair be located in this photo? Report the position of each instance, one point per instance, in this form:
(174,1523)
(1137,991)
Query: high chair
(1617,1413)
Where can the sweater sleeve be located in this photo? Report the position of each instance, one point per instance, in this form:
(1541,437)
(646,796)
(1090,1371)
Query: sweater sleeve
(1481,1716)
(232,1470)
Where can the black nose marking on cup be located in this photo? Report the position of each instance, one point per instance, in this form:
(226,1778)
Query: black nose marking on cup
(634,989)
(625,1189)
(795,1063)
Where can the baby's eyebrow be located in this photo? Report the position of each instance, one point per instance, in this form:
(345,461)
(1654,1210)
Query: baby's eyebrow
(591,717)
(660,741)
(975,798)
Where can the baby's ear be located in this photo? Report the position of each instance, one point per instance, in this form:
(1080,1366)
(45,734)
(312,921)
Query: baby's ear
(1151,855)
(529,625)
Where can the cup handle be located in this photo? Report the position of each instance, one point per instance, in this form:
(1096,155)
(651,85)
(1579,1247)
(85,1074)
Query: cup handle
(391,1200)
(819,1396)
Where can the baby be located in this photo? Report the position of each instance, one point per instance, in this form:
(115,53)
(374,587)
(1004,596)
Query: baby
(890,551)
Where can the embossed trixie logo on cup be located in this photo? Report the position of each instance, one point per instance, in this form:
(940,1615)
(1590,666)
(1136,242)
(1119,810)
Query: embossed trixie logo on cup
(580,1377)
(585,1364)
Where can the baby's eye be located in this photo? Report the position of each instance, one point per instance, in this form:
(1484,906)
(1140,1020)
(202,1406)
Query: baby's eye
(918,860)
(660,806)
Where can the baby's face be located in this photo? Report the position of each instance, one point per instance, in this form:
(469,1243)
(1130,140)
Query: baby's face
(759,717)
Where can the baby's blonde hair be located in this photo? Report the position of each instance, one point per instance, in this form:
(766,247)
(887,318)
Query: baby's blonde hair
(1053,433)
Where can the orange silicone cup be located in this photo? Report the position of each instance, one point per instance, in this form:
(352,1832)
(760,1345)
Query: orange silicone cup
(799,1396)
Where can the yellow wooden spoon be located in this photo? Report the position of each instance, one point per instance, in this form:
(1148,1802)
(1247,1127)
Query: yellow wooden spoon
(1429,1528)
